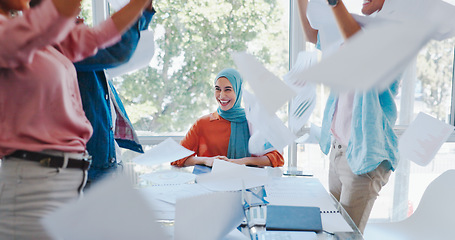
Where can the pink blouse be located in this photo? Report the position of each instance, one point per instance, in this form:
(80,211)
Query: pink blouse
(40,104)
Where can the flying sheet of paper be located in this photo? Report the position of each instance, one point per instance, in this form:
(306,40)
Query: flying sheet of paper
(312,137)
(269,125)
(226,176)
(303,104)
(304,60)
(263,82)
(112,202)
(321,17)
(141,57)
(207,217)
(167,151)
(423,138)
(441,13)
(395,44)
(398,32)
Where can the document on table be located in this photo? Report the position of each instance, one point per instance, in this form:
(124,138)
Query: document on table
(164,197)
(168,177)
(423,138)
(207,217)
(307,192)
(167,151)
(263,83)
(226,176)
(112,202)
(287,235)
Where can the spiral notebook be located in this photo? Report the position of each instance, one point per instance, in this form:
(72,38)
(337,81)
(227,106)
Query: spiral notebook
(305,192)
(293,218)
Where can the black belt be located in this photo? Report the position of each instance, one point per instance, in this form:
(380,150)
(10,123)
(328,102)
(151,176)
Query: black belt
(48,160)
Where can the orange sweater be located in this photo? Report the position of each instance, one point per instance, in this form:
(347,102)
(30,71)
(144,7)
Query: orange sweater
(209,137)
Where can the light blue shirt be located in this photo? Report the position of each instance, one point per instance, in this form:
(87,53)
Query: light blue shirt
(372,138)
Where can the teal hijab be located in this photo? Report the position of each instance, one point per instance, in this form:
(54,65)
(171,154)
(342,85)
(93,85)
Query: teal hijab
(240,134)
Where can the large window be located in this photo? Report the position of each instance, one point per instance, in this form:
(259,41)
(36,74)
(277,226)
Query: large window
(193,41)
(426,87)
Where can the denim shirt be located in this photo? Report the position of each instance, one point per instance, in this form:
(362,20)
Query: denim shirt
(96,92)
(372,137)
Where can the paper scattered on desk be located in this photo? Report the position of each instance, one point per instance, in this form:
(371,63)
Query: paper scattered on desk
(288,235)
(112,202)
(207,217)
(226,176)
(168,177)
(307,192)
(263,83)
(423,139)
(171,193)
(167,151)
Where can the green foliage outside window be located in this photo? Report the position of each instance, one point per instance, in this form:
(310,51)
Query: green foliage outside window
(434,70)
(193,43)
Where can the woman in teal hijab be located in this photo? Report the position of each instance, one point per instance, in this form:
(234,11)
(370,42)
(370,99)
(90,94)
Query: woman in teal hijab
(224,134)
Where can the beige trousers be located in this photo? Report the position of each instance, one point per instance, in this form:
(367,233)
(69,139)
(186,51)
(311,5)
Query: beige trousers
(356,193)
(29,191)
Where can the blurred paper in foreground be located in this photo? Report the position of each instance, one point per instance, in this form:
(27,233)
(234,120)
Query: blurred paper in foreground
(112,209)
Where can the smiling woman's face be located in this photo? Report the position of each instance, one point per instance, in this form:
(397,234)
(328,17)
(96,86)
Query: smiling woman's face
(224,93)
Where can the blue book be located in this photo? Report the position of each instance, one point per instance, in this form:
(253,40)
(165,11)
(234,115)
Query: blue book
(293,218)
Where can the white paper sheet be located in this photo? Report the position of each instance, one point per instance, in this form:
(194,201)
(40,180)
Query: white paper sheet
(171,193)
(307,192)
(439,13)
(304,60)
(264,83)
(398,32)
(168,177)
(141,57)
(423,139)
(112,202)
(167,151)
(303,104)
(395,44)
(226,176)
(208,217)
(236,235)
(269,125)
(312,137)
(287,235)
(321,18)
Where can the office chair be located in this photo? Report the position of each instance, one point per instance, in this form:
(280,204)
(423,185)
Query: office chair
(433,219)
